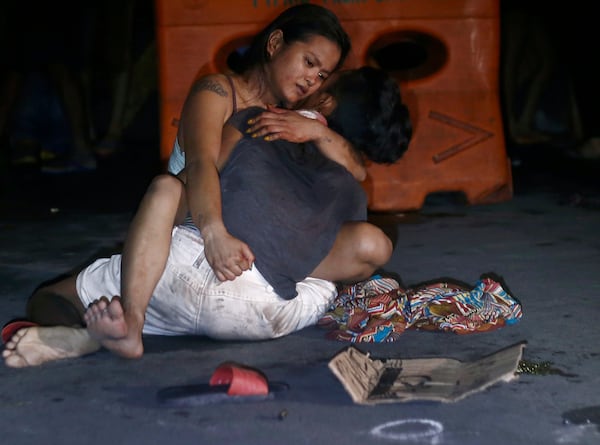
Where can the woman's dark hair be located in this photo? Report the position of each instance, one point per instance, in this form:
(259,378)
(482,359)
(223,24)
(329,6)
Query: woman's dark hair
(298,23)
(370,113)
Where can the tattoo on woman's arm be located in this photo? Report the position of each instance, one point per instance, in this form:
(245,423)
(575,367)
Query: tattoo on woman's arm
(208,85)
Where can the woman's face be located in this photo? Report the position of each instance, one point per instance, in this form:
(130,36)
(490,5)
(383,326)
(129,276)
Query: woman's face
(322,99)
(297,70)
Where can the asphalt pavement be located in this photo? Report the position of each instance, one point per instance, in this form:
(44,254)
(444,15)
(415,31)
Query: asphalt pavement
(544,244)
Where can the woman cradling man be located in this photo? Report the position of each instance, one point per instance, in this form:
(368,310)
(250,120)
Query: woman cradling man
(287,62)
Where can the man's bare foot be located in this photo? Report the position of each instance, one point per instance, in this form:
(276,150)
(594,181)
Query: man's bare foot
(36,345)
(107,323)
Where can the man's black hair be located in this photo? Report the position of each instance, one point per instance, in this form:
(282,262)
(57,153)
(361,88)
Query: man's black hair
(370,114)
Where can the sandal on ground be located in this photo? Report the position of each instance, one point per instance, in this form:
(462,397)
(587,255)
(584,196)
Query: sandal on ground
(12,327)
(231,382)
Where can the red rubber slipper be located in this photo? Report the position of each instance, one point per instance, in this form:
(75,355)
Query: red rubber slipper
(231,382)
(242,381)
(12,327)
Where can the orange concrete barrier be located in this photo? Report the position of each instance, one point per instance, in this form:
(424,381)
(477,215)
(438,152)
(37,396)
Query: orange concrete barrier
(444,55)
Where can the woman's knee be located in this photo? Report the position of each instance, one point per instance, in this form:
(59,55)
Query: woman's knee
(373,245)
(164,196)
(165,186)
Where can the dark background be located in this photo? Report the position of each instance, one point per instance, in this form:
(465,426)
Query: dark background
(548,47)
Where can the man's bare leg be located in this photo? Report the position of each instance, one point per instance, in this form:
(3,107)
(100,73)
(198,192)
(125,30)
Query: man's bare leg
(360,248)
(36,345)
(117,324)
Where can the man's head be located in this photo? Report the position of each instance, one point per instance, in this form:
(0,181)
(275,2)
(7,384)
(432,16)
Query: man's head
(367,110)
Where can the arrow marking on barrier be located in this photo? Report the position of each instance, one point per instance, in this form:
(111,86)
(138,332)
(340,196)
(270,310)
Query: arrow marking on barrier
(477,135)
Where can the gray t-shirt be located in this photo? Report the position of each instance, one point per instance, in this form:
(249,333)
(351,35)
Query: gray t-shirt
(287,201)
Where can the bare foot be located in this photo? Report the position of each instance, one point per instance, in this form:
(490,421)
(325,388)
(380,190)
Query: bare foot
(107,323)
(36,345)
(106,320)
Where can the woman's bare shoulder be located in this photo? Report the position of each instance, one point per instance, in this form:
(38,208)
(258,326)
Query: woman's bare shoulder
(215,83)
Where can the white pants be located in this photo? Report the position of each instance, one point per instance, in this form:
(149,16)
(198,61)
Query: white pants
(190,300)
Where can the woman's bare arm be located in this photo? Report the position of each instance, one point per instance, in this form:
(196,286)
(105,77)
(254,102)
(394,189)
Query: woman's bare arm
(278,123)
(200,134)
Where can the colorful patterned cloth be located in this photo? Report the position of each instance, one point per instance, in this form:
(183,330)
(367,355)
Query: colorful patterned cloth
(379,310)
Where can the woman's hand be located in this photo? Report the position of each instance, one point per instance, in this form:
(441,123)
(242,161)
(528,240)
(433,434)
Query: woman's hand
(228,256)
(279,123)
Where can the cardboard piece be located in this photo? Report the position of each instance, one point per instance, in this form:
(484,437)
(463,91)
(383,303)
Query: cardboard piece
(370,381)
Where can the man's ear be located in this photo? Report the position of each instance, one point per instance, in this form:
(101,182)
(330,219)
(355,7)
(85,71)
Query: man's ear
(275,42)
